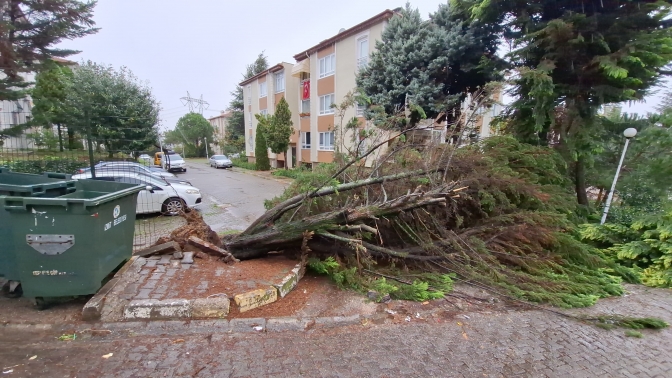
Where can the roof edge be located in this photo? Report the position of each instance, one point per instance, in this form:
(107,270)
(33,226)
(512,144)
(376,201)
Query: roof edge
(383,16)
(278,67)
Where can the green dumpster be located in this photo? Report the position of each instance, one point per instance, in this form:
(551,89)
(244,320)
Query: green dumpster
(25,185)
(66,246)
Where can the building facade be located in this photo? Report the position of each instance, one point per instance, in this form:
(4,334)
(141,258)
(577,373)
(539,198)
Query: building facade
(321,79)
(220,123)
(262,93)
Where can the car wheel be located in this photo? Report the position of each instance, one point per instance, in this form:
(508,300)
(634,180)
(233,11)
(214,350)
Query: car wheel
(173,206)
(184,170)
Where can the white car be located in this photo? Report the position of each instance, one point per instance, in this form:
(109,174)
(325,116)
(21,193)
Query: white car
(220,161)
(174,162)
(158,196)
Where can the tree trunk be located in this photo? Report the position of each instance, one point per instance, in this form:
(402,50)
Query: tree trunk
(71,139)
(286,161)
(598,202)
(60,137)
(580,180)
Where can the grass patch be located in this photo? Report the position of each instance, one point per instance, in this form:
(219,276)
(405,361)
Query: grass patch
(228,232)
(243,163)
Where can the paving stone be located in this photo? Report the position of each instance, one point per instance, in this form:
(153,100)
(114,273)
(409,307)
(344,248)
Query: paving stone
(219,272)
(150,284)
(213,307)
(170,272)
(156,276)
(287,324)
(256,298)
(188,258)
(202,285)
(143,294)
(247,325)
(175,264)
(186,266)
(178,255)
(210,326)
(337,321)
(151,263)
(160,269)
(155,309)
(165,259)
(153,257)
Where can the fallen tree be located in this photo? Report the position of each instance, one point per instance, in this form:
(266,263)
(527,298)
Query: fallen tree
(497,213)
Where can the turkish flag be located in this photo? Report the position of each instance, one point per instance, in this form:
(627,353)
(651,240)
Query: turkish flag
(306,90)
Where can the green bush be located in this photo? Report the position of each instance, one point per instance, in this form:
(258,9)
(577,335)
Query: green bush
(291,173)
(645,245)
(47,164)
(243,163)
(426,286)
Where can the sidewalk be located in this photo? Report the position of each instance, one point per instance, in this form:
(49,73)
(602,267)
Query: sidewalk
(471,344)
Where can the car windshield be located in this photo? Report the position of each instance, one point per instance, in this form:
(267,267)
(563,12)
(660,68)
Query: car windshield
(220,157)
(175,157)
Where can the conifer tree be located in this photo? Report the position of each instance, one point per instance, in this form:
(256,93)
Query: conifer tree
(260,147)
(29,30)
(279,129)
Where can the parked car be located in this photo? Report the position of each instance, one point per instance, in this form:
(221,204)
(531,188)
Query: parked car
(107,170)
(133,167)
(173,163)
(158,196)
(220,161)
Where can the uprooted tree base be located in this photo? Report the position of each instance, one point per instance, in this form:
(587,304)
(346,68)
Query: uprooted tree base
(497,214)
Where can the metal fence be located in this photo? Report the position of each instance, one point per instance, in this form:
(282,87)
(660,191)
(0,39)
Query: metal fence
(39,149)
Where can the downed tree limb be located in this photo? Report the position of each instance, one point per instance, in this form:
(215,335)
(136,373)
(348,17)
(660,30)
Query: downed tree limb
(211,249)
(276,212)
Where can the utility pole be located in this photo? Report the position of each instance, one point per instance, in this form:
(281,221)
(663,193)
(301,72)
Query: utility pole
(195,103)
(628,133)
(206,148)
(89,143)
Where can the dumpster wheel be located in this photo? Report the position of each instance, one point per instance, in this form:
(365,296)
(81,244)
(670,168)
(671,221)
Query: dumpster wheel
(18,291)
(40,303)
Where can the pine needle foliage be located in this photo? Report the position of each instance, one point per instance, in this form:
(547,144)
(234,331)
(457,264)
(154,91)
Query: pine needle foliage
(511,225)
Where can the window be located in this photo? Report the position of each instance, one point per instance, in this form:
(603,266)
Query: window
(262,90)
(249,117)
(305,106)
(327,141)
(280,82)
(249,95)
(263,112)
(495,110)
(327,65)
(359,111)
(250,142)
(326,102)
(305,140)
(362,52)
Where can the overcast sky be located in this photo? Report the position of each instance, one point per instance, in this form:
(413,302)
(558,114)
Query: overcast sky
(203,46)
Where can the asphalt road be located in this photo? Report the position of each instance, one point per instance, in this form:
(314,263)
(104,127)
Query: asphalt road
(232,199)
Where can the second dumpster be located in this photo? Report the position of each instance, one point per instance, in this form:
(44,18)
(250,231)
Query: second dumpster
(66,246)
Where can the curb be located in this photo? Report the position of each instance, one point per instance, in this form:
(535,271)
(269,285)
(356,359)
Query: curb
(179,327)
(204,308)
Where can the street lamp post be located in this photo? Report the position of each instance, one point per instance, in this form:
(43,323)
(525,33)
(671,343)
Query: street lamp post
(628,133)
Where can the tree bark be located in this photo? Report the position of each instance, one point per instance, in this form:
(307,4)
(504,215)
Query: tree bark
(60,137)
(71,139)
(580,180)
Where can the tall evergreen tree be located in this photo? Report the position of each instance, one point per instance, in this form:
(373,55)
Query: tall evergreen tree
(29,30)
(262,162)
(572,57)
(49,97)
(433,64)
(235,130)
(280,127)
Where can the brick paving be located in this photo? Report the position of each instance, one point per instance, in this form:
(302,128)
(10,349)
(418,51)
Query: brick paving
(495,344)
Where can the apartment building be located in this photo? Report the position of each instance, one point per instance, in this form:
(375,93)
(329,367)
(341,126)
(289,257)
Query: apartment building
(219,123)
(262,93)
(322,76)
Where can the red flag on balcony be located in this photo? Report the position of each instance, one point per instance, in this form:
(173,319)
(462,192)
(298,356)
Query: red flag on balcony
(306,90)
